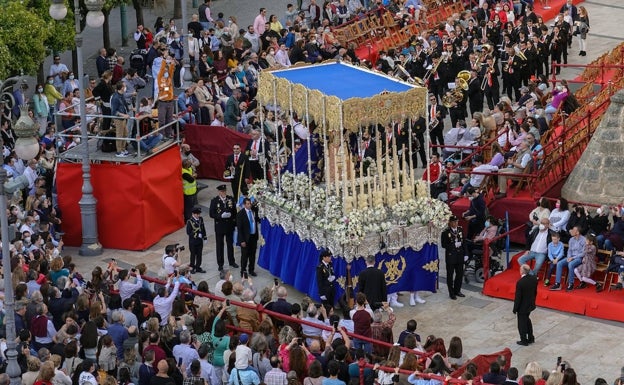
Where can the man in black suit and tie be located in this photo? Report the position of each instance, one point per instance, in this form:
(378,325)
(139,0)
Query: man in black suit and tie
(223,211)
(372,282)
(256,152)
(325,279)
(247,224)
(238,166)
(524,304)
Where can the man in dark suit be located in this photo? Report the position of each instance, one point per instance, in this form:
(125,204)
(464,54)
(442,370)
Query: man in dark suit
(256,152)
(196,232)
(372,282)
(325,279)
(237,165)
(223,211)
(524,304)
(452,240)
(247,225)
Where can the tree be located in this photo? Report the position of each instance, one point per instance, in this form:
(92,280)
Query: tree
(22,37)
(177,9)
(138,10)
(109,5)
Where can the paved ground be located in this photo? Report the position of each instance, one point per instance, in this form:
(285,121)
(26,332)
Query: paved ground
(485,324)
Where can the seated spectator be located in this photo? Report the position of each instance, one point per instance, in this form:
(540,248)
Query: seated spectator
(539,241)
(559,217)
(494,376)
(477,179)
(516,165)
(588,266)
(455,353)
(490,230)
(576,251)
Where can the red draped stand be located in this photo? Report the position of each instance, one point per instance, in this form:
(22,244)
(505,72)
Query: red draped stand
(137,204)
(212,145)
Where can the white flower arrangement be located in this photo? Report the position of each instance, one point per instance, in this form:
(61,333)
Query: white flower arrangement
(326,212)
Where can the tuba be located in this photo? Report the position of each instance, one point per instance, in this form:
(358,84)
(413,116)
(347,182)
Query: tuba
(457,94)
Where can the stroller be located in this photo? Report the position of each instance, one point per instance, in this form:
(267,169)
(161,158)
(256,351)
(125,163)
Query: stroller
(474,264)
(137,61)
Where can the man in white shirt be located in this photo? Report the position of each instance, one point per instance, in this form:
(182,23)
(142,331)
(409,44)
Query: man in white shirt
(281,56)
(477,179)
(163,302)
(126,287)
(539,246)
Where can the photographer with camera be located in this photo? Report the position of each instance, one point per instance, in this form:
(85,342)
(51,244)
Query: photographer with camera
(170,258)
(163,303)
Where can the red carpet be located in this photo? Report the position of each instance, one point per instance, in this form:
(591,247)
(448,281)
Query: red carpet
(606,305)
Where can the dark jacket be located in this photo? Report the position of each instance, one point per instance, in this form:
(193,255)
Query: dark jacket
(526,292)
(372,282)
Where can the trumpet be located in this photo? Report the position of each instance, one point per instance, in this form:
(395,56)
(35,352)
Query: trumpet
(486,50)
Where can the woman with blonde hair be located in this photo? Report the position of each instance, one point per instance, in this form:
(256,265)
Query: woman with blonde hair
(555,378)
(535,370)
(46,373)
(33,365)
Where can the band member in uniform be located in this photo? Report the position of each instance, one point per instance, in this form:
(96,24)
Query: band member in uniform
(238,169)
(256,152)
(490,83)
(452,240)
(196,232)
(475,95)
(223,211)
(325,279)
(437,113)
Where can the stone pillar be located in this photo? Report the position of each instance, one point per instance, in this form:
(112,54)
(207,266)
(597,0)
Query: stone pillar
(598,177)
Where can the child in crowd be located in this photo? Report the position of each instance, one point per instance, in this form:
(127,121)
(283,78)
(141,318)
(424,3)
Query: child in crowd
(555,253)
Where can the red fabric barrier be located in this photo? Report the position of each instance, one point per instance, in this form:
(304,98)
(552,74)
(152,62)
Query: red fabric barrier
(483,362)
(211,145)
(137,203)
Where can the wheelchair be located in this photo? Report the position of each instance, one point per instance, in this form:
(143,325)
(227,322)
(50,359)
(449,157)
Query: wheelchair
(474,264)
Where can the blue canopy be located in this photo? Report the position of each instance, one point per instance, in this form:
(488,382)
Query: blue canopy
(342,81)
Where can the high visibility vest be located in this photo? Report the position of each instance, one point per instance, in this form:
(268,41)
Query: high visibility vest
(189,188)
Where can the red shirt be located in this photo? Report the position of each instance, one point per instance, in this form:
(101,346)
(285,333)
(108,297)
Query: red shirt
(362,323)
(435,169)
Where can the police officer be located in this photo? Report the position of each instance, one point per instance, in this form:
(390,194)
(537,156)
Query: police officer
(325,279)
(189,188)
(453,243)
(196,232)
(223,211)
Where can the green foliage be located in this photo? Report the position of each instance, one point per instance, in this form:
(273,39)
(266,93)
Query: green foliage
(60,33)
(22,34)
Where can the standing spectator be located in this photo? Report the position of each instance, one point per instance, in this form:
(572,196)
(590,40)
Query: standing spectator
(101,63)
(223,211)
(205,16)
(119,109)
(260,22)
(183,351)
(139,37)
(59,71)
(524,304)
(163,302)
(452,240)
(276,375)
(118,332)
(372,282)
(247,225)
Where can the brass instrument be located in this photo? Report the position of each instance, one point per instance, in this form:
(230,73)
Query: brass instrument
(465,76)
(488,72)
(519,53)
(457,94)
(401,73)
(486,50)
(431,71)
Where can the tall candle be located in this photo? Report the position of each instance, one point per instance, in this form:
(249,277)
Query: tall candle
(370,193)
(411,159)
(343,160)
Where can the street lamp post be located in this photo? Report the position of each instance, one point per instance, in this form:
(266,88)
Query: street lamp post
(187,78)
(95,18)
(26,148)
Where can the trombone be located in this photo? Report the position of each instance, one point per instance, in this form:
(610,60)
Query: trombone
(431,71)
(519,53)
